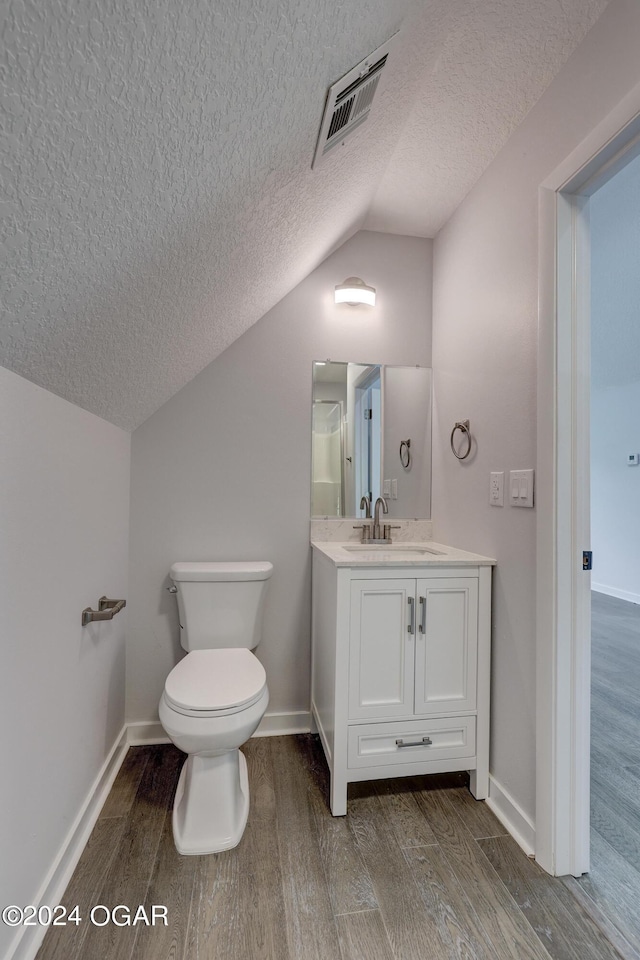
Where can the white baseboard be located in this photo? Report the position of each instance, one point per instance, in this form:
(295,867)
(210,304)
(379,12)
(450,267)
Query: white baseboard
(146,732)
(143,733)
(614,592)
(27,942)
(284,724)
(512,817)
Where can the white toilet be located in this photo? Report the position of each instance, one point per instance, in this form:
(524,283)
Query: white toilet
(214,698)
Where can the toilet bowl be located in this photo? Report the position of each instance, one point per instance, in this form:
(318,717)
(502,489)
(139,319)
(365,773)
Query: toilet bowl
(214,700)
(200,712)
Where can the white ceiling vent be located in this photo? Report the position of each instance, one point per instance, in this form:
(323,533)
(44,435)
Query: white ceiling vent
(349,101)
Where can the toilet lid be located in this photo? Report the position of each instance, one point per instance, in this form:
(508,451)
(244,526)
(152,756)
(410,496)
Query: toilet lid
(211,680)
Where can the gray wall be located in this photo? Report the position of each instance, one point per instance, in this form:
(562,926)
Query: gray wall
(615,384)
(407,409)
(485,319)
(64,518)
(615,491)
(222,471)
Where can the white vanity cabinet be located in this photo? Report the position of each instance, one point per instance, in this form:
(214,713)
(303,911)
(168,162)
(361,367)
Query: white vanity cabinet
(400,666)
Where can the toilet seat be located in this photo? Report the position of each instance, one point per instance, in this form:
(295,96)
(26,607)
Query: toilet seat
(215,683)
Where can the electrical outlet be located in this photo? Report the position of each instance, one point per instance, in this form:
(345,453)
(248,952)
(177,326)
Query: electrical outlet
(496,489)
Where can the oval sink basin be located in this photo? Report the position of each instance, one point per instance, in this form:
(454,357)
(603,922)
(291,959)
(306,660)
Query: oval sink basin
(396,548)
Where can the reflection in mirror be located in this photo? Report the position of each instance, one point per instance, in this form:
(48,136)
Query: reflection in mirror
(328,458)
(363,416)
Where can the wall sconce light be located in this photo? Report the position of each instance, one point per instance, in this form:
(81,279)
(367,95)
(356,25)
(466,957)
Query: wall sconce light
(354,291)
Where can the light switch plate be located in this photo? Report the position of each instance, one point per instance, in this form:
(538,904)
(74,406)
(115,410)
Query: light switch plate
(386,488)
(394,489)
(521,488)
(496,489)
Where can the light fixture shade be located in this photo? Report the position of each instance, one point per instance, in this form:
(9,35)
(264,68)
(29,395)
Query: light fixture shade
(354,291)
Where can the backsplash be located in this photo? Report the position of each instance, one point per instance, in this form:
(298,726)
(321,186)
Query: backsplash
(414,531)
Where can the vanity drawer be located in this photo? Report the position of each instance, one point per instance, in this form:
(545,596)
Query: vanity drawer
(376,744)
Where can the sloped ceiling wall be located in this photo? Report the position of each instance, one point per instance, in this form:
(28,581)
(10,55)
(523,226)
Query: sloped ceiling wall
(158,196)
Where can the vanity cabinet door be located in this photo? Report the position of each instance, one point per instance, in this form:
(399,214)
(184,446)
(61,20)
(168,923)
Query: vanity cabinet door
(381,648)
(446,646)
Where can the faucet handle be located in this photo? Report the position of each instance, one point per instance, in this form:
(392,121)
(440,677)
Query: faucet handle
(388,527)
(366,530)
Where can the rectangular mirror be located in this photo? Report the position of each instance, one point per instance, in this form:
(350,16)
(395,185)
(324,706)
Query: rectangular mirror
(371,436)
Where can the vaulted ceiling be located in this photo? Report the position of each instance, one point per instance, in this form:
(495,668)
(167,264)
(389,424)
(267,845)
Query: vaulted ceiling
(158,196)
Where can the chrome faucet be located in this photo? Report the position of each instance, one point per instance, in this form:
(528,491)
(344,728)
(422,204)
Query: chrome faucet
(377,533)
(380,502)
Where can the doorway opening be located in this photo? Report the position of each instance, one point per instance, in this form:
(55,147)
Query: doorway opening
(613,883)
(563,523)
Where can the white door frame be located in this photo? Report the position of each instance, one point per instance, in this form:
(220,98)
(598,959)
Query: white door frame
(562,589)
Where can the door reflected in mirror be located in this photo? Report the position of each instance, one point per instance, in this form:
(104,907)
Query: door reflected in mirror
(366,418)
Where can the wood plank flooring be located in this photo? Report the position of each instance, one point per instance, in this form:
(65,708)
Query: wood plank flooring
(611,891)
(417,870)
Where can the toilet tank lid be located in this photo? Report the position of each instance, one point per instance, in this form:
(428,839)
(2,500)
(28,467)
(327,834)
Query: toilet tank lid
(215,570)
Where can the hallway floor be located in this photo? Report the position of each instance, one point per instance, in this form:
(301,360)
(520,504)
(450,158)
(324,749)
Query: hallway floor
(613,885)
(417,870)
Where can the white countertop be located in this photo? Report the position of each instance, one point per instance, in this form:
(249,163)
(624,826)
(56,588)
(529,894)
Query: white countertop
(399,554)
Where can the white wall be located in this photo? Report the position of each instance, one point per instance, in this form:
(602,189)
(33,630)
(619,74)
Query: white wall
(615,491)
(64,514)
(222,471)
(615,377)
(484,359)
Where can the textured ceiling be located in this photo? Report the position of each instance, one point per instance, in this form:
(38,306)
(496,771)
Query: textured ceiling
(157,192)
(493,63)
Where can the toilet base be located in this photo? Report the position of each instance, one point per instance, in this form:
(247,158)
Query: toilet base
(211,805)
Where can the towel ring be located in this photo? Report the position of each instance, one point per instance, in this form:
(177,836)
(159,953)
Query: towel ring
(463,426)
(405,454)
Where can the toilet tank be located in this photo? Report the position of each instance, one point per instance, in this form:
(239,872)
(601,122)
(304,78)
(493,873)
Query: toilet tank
(220,604)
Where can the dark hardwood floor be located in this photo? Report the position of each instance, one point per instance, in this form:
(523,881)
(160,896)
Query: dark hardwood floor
(417,870)
(611,891)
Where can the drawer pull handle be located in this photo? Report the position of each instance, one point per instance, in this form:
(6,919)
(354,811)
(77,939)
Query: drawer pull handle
(412,615)
(425,742)
(423,619)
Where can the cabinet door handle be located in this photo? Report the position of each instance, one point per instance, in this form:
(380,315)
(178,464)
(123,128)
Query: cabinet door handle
(423,617)
(424,742)
(412,615)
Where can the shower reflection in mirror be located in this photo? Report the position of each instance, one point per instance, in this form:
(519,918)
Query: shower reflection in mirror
(328,458)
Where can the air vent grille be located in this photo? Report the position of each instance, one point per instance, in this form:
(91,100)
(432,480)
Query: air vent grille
(349,101)
(340,117)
